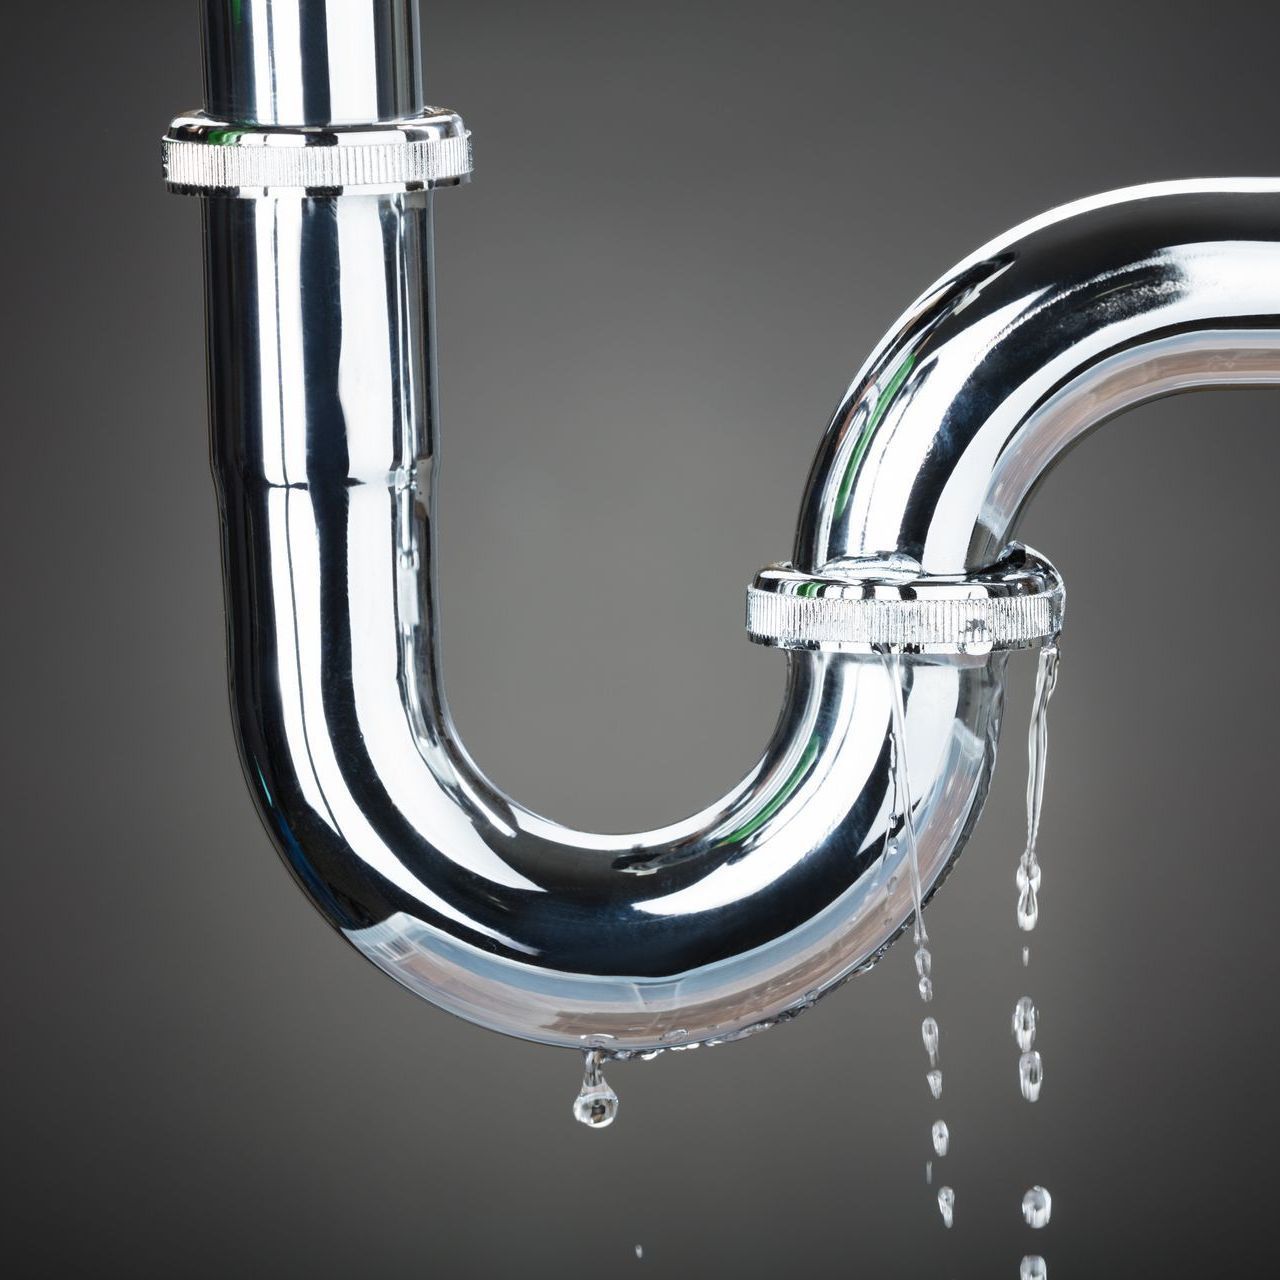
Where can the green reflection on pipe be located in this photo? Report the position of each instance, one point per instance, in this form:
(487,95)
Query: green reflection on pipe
(883,403)
(794,779)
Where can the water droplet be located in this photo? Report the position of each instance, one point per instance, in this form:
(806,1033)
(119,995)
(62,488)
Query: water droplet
(1028,909)
(596,1104)
(947,1205)
(1037,1206)
(639,1251)
(1033,1268)
(924,967)
(941,1137)
(929,1034)
(1030,1075)
(649,1054)
(1026,956)
(928,1173)
(934,1078)
(1028,874)
(1024,1024)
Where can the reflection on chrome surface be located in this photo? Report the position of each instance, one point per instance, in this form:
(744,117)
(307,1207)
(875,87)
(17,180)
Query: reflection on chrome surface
(325,436)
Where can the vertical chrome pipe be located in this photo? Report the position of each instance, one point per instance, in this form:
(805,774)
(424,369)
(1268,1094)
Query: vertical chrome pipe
(282,62)
(322,402)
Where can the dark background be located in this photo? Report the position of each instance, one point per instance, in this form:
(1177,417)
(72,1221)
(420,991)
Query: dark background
(690,223)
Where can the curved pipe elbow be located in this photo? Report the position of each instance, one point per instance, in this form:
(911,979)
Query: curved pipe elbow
(1039,336)
(324,450)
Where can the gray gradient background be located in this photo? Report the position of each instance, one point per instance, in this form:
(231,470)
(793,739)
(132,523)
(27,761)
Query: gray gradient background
(647,314)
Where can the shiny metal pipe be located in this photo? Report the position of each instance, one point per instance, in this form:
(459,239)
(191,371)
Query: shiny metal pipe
(311,62)
(1017,353)
(325,442)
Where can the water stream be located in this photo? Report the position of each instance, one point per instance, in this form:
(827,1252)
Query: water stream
(1037,1204)
(1028,873)
(902,811)
(597,1105)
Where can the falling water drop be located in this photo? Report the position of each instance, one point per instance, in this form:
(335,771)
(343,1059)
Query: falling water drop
(596,1104)
(1028,908)
(1030,1075)
(1026,956)
(929,1034)
(1028,880)
(1029,874)
(947,1205)
(1033,1268)
(924,970)
(1037,1207)
(1024,1023)
(928,1173)
(639,1251)
(934,1078)
(941,1137)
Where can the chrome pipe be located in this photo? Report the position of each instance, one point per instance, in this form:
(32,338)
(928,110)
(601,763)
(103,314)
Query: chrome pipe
(307,62)
(1039,336)
(325,448)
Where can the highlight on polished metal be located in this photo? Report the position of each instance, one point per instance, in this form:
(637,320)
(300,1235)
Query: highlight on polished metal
(325,445)
(203,156)
(874,605)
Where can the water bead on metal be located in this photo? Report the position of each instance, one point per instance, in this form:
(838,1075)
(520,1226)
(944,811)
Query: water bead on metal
(596,1105)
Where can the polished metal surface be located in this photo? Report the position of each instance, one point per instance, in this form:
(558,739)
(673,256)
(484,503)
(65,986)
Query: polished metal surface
(311,62)
(203,156)
(324,452)
(1039,336)
(325,445)
(875,605)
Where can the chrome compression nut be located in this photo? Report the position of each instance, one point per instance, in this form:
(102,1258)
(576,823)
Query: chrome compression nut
(868,606)
(203,156)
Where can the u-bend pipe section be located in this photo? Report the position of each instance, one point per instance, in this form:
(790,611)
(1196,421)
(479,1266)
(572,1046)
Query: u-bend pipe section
(325,450)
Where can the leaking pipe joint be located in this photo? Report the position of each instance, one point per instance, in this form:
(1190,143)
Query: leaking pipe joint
(317,157)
